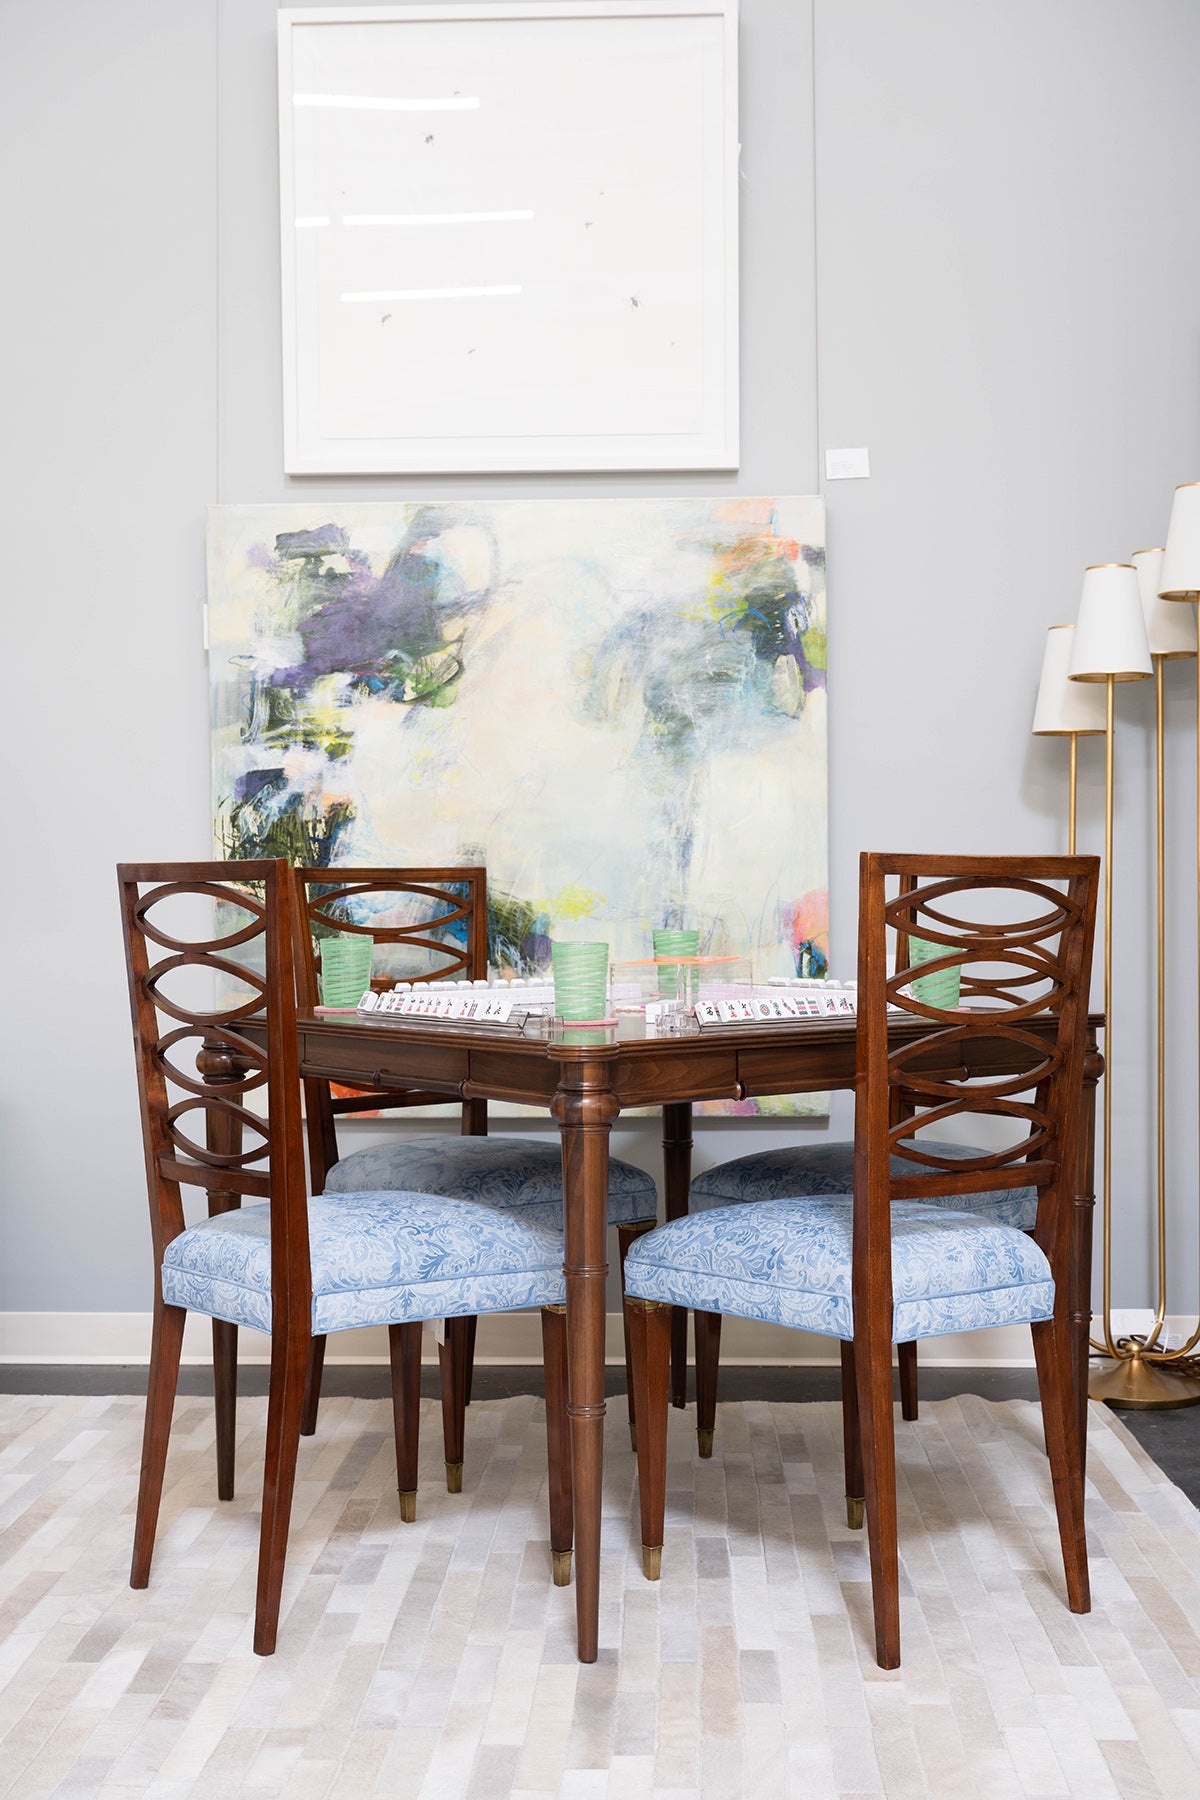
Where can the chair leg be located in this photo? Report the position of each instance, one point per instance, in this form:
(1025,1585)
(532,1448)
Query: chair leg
(627,1235)
(1061,1422)
(707,1328)
(223,1135)
(852,1442)
(290,1345)
(679,1356)
(312,1387)
(166,1345)
(474,1124)
(907,1355)
(404,1347)
(650,1356)
(224,1338)
(558,1442)
(452,1358)
(877,1430)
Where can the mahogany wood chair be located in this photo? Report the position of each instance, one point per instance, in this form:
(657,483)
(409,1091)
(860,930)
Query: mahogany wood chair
(899,1259)
(440,917)
(825,1170)
(288,1266)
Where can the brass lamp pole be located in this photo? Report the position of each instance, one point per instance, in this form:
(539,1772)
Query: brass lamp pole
(1068,709)
(1109,646)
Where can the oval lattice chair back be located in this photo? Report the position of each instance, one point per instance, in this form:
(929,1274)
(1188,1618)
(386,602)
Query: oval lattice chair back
(891,1262)
(435,917)
(1013,970)
(287,1265)
(234,1134)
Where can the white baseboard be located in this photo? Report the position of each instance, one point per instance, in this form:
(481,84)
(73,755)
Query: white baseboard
(504,1338)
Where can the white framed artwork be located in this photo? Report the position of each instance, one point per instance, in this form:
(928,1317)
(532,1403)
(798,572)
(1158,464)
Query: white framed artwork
(509,236)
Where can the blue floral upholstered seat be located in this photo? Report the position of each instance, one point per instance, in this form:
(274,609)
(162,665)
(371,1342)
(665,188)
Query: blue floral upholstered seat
(813,1170)
(510,1173)
(377,1259)
(520,1176)
(788,1262)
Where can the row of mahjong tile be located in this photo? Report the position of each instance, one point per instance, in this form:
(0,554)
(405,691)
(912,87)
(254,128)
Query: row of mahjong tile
(780,998)
(774,1004)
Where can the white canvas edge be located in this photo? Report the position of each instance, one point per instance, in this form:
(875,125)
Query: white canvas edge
(490,455)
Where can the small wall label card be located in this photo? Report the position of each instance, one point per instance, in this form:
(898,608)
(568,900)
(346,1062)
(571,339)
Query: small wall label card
(465,1009)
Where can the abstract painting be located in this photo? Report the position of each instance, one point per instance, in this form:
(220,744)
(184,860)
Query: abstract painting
(617,705)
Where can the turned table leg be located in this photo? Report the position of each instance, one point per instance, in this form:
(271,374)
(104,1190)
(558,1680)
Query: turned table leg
(585,1108)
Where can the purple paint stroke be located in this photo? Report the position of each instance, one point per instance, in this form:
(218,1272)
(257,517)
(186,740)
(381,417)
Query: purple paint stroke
(374,627)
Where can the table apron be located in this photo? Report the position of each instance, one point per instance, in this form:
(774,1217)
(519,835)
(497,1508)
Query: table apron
(390,1064)
(722,1072)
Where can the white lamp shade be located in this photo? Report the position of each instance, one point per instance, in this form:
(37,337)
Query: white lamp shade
(1170,628)
(1064,705)
(1110,632)
(1181,563)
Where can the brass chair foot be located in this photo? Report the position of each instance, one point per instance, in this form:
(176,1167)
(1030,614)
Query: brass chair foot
(633,1437)
(652,1561)
(855,1513)
(562,1568)
(454,1478)
(408,1505)
(704,1442)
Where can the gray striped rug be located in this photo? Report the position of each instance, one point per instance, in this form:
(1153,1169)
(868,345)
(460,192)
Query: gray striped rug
(436,1661)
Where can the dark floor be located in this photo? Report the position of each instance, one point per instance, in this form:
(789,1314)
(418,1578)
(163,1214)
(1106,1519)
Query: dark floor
(1172,1438)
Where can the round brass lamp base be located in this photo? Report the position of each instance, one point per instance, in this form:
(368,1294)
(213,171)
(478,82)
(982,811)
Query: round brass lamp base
(1136,1382)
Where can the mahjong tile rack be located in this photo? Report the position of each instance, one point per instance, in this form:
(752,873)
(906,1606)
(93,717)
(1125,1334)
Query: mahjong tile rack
(513,1006)
(780,1001)
(517,1006)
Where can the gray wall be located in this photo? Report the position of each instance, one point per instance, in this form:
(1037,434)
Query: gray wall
(108,328)
(979,260)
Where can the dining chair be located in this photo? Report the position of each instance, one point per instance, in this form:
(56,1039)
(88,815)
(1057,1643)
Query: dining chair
(823,1170)
(224,994)
(439,916)
(895,1261)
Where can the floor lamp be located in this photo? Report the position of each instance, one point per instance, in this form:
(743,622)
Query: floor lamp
(1149,1375)
(1066,708)
(1109,646)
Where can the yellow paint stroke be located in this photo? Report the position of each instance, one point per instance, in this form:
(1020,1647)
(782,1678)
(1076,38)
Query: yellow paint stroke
(572,902)
(430,767)
(739,566)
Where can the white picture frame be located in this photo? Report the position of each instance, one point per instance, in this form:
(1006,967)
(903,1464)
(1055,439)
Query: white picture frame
(509,236)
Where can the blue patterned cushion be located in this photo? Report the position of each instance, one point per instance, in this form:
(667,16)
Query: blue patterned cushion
(500,1171)
(377,1259)
(806,1169)
(788,1262)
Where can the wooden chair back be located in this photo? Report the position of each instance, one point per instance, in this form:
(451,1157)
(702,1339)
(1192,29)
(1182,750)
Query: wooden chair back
(326,898)
(1013,971)
(197,1068)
